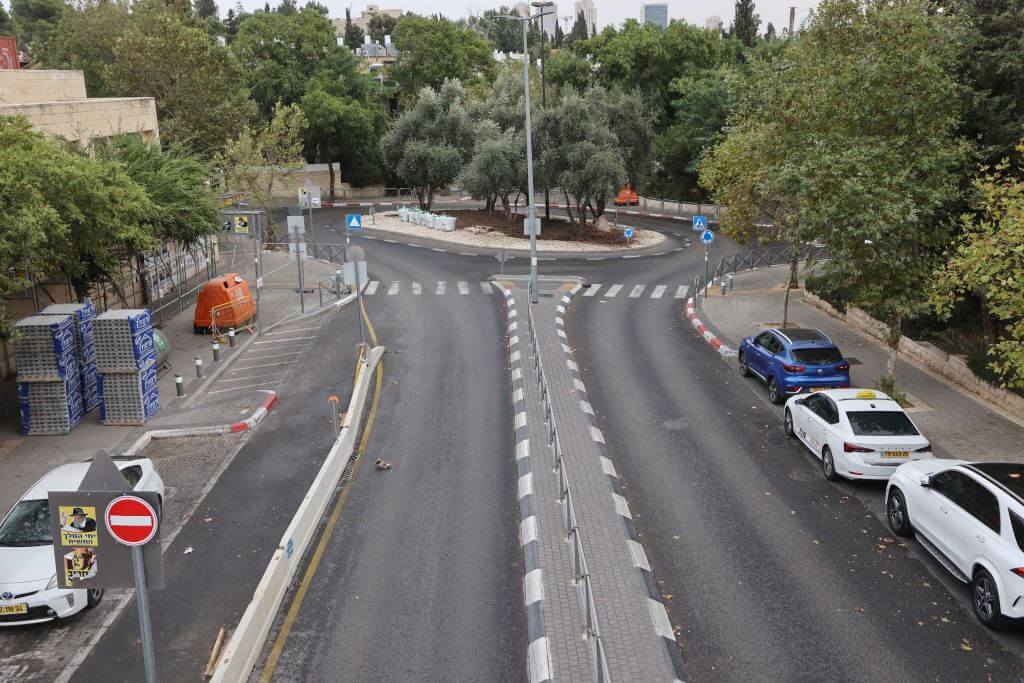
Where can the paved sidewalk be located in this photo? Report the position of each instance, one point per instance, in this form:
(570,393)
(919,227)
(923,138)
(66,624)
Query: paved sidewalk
(635,647)
(958,424)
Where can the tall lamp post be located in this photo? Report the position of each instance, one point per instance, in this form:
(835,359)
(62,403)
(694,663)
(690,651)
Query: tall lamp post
(544,90)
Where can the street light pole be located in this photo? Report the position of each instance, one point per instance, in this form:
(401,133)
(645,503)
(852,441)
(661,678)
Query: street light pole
(544,97)
(532,208)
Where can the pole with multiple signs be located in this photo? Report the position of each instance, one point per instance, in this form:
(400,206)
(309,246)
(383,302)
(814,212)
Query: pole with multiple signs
(707,237)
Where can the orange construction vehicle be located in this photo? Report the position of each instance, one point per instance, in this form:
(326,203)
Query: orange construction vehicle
(224,303)
(627,196)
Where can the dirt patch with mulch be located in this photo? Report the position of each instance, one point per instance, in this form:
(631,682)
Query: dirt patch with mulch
(549,229)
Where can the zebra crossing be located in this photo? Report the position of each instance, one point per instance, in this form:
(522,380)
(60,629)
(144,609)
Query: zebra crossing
(465,288)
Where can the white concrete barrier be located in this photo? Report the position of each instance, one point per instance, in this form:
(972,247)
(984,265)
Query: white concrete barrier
(243,649)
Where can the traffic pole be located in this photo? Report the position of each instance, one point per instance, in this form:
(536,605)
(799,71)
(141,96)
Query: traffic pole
(359,302)
(706,283)
(145,627)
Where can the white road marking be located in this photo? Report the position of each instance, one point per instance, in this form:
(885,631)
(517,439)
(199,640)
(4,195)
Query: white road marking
(274,355)
(246,386)
(439,249)
(372,287)
(441,287)
(248,378)
(631,256)
(417,288)
(593,289)
(296,329)
(658,291)
(596,258)
(391,241)
(393,289)
(463,287)
(681,291)
(278,341)
(485,287)
(612,291)
(637,291)
(267,365)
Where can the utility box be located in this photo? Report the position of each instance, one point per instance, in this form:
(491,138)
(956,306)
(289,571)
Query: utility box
(223,303)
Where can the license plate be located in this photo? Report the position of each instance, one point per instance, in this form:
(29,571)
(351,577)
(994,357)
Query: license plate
(13,609)
(896,454)
(813,389)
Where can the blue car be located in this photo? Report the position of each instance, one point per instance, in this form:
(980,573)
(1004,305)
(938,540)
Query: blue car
(792,361)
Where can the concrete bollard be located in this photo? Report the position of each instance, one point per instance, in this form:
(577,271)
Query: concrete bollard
(231,338)
(732,283)
(216,352)
(179,385)
(199,367)
(333,402)
(723,284)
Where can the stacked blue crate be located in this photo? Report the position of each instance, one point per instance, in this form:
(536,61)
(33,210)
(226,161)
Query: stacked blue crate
(49,380)
(82,315)
(126,362)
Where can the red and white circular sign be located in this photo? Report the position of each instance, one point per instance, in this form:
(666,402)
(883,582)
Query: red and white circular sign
(131,520)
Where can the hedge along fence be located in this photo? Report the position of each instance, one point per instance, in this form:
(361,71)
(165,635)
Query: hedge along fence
(933,358)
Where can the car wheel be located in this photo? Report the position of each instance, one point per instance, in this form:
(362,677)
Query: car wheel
(896,514)
(93,597)
(774,395)
(787,424)
(985,599)
(828,465)
(744,368)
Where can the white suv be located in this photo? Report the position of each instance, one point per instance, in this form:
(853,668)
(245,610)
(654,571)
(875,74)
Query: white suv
(970,516)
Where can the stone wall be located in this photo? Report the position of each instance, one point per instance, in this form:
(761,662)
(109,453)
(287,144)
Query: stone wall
(26,86)
(89,119)
(949,366)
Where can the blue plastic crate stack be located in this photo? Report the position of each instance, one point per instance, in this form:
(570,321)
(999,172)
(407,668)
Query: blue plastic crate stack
(126,362)
(49,380)
(82,316)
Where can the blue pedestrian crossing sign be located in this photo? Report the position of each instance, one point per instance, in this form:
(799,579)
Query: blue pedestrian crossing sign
(354,221)
(627,233)
(707,237)
(699,223)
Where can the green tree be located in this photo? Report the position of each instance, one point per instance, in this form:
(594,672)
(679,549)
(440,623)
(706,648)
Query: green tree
(559,39)
(205,9)
(353,34)
(769,32)
(264,156)
(198,86)
(632,120)
(185,207)
(580,154)
(745,22)
(429,142)
(432,51)
(988,261)
(566,68)
(504,33)
(496,169)
(234,19)
(287,7)
(6,23)
(578,31)
(35,21)
(345,131)
(381,25)
(86,38)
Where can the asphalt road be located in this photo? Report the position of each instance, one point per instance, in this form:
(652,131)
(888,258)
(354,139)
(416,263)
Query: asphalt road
(770,571)
(421,578)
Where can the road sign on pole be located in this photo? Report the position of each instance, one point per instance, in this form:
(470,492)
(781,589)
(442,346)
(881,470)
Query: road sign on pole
(699,223)
(354,221)
(131,520)
(627,233)
(707,237)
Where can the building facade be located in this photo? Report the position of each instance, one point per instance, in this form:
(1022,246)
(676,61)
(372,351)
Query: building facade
(656,13)
(589,14)
(55,102)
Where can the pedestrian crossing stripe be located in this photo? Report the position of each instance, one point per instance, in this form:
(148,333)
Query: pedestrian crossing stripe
(463,287)
(613,290)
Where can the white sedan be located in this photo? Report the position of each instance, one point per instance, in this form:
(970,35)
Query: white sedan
(857,433)
(28,579)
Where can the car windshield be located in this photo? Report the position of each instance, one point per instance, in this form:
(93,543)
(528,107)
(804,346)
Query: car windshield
(817,356)
(881,423)
(28,524)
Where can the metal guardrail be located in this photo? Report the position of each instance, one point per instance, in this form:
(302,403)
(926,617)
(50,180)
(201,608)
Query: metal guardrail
(581,573)
(335,253)
(756,258)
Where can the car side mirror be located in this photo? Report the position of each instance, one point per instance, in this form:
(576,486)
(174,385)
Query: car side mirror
(926,482)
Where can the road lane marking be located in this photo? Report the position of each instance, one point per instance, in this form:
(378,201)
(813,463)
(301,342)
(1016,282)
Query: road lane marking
(658,291)
(332,522)
(393,289)
(681,291)
(439,249)
(266,365)
(596,258)
(247,378)
(417,288)
(278,341)
(637,291)
(274,355)
(593,290)
(244,386)
(463,287)
(612,291)
(485,287)
(391,241)
(372,287)
(295,329)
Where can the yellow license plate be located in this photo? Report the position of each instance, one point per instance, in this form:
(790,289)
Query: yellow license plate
(13,609)
(813,389)
(896,454)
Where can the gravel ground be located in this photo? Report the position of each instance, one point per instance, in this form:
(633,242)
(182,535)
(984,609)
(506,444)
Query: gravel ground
(390,222)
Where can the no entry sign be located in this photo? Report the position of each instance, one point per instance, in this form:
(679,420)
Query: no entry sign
(131,520)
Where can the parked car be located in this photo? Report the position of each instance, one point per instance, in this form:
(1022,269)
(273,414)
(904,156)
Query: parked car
(970,516)
(857,433)
(792,361)
(28,579)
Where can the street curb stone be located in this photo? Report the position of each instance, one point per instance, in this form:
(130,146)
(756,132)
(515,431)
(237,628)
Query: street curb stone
(708,335)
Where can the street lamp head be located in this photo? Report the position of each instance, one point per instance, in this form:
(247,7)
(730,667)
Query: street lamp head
(541,4)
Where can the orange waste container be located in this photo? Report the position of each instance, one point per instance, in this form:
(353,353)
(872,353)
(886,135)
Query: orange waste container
(219,293)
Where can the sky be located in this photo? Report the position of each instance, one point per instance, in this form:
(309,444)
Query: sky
(608,11)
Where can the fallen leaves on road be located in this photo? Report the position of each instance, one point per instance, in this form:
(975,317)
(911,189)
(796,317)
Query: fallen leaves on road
(187,551)
(965,646)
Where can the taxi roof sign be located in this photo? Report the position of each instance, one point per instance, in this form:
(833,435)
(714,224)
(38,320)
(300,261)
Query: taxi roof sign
(867,394)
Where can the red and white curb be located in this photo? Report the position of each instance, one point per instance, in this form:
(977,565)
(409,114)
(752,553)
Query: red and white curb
(702,330)
(245,425)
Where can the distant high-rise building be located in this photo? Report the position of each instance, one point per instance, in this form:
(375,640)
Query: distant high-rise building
(656,13)
(714,22)
(523,9)
(589,14)
(550,20)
